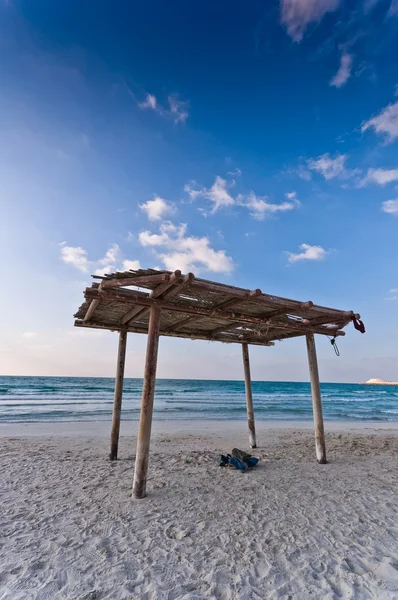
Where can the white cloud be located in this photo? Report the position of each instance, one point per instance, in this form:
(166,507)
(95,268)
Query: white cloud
(291,196)
(150,102)
(308,253)
(236,173)
(259,207)
(218,193)
(108,263)
(74,255)
(112,255)
(177,110)
(344,72)
(385,123)
(157,208)
(392,298)
(393,291)
(390,207)
(131,264)
(111,262)
(296,15)
(380,176)
(29,334)
(179,251)
(330,167)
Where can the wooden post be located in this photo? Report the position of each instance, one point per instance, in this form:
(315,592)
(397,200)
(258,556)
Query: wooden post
(148,392)
(249,396)
(117,403)
(316,400)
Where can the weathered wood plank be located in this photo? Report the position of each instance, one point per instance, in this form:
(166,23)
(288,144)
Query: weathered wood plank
(129,297)
(137,281)
(249,396)
(320,446)
(257,341)
(117,403)
(148,393)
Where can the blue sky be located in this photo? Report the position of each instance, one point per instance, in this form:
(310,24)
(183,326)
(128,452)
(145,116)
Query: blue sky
(252,143)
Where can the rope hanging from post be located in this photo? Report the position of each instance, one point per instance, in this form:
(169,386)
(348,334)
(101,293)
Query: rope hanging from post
(335,347)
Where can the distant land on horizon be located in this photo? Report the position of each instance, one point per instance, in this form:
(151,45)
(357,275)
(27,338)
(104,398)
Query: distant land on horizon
(379,382)
(373,381)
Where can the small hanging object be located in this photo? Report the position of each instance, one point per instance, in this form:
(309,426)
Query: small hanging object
(358,324)
(333,342)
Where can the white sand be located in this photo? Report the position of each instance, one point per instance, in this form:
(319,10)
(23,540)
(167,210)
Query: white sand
(289,529)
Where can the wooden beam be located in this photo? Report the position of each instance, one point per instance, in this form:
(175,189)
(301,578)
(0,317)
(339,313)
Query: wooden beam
(257,341)
(128,296)
(148,393)
(224,304)
(185,281)
(137,281)
(117,403)
(249,397)
(239,292)
(226,327)
(316,400)
(163,287)
(91,309)
(132,314)
(344,318)
(167,289)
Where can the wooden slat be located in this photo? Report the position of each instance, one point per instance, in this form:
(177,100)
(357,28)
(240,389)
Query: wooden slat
(128,296)
(144,280)
(257,341)
(165,290)
(166,285)
(221,305)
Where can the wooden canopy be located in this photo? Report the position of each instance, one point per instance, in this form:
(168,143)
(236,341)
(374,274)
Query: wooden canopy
(202,310)
(177,305)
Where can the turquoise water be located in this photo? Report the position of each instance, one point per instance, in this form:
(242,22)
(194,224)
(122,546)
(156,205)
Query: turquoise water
(34,399)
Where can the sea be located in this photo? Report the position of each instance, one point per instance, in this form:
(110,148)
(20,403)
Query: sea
(38,399)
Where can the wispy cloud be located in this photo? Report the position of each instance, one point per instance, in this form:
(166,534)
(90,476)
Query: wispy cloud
(390,207)
(307,253)
(330,167)
(149,102)
(260,207)
(177,250)
(296,15)
(157,209)
(380,176)
(74,255)
(77,257)
(28,335)
(131,264)
(220,196)
(218,193)
(236,173)
(385,123)
(344,72)
(177,109)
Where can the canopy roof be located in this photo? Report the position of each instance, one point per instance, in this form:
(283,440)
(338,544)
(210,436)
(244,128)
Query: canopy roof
(196,308)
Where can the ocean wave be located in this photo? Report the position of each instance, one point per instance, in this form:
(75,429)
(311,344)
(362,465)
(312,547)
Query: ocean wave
(29,399)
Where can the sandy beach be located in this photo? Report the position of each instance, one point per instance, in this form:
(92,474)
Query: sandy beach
(289,529)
